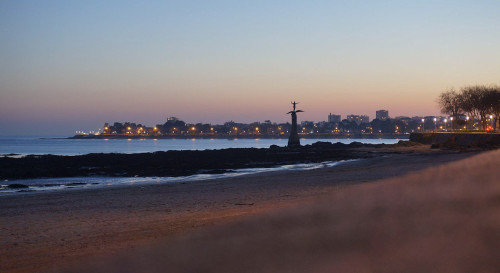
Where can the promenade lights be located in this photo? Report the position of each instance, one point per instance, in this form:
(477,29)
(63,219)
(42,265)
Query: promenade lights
(451,120)
(445,124)
(423,123)
(466,123)
(435,124)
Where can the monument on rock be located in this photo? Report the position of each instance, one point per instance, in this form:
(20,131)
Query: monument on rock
(294,140)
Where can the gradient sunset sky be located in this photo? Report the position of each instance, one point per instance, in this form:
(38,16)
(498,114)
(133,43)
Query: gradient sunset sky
(73,65)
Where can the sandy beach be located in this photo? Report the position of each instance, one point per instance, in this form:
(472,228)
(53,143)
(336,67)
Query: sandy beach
(43,232)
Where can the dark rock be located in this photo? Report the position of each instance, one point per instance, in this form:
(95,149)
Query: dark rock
(407,143)
(173,163)
(355,144)
(17,186)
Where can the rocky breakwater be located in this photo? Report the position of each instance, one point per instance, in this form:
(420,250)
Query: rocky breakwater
(177,163)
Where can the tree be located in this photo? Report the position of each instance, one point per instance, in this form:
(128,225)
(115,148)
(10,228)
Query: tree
(449,101)
(382,126)
(492,101)
(469,100)
(477,102)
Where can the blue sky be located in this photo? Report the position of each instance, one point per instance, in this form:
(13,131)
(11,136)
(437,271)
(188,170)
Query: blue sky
(73,65)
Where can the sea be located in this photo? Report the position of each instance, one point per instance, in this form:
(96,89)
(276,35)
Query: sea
(19,146)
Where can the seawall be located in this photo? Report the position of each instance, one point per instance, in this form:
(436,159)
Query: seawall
(457,139)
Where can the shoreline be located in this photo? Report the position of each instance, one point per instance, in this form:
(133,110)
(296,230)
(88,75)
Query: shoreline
(57,229)
(176,163)
(35,185)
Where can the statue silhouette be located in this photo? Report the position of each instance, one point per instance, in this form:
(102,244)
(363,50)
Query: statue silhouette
(294,140)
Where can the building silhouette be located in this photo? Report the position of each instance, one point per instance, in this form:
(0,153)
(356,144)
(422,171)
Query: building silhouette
(334,118)
(358,119)
(382,114)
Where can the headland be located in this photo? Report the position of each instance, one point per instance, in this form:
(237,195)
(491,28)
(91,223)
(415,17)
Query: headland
(403,136)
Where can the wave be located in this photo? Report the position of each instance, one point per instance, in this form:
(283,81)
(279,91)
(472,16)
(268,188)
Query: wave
(53,184)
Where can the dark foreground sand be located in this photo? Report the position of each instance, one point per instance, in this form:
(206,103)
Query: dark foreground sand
(442,219)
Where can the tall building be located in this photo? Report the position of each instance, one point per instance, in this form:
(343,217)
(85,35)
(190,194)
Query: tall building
(358,119)
(334,118)
(364,119)
(382,114)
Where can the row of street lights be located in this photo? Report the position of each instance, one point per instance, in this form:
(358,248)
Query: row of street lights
(490,120)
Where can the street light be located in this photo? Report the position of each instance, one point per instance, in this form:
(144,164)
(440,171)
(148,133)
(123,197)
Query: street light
(445,123)
(435,124)
(452,127)
(466,123)
(423,123)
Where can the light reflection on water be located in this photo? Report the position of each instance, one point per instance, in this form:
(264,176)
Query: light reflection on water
(60,146)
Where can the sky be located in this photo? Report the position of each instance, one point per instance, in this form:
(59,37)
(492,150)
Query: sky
(74,65)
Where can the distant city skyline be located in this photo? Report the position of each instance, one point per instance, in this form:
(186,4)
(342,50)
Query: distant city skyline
(73,65)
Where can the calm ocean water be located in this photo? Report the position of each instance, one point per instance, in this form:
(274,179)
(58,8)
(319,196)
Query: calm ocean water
(61,146)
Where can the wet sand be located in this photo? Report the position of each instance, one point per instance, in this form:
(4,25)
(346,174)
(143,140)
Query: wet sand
(47,231)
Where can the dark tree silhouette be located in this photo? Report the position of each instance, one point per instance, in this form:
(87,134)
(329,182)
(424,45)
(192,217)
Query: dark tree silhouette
(449,101)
